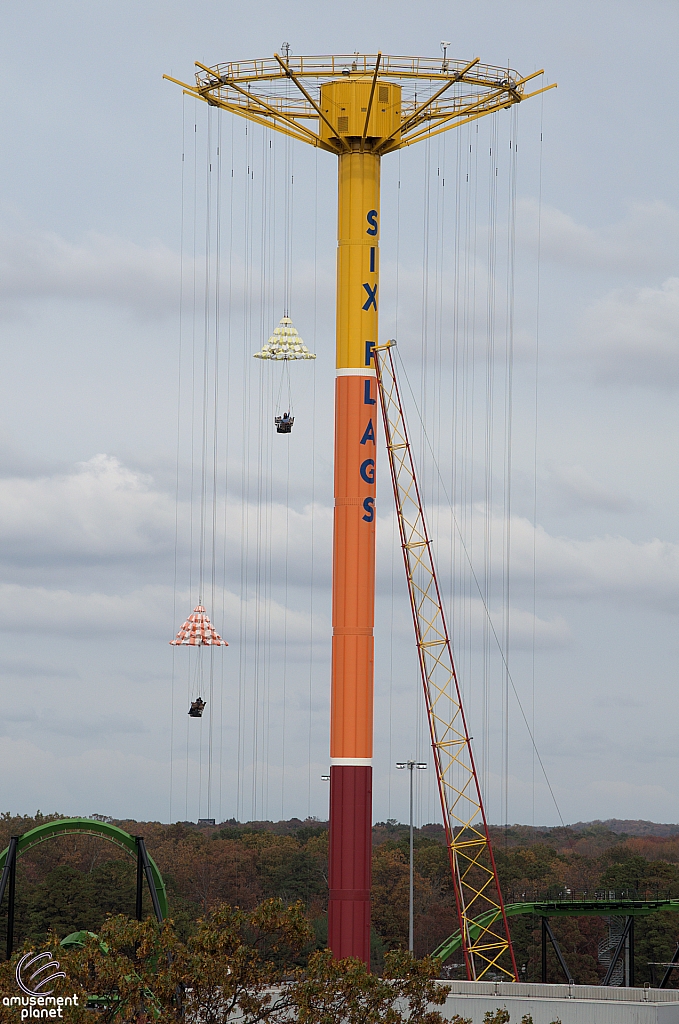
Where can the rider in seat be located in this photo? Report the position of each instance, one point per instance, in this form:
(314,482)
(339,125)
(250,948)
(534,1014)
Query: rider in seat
(284,423)
(197,708)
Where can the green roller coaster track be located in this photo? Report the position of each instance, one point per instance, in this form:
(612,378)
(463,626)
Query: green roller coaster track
(558,908)
(86,827)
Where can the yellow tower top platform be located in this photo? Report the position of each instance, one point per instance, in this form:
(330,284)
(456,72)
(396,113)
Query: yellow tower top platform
(369,102)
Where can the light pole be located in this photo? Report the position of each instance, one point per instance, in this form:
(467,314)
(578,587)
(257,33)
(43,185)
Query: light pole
(410,765)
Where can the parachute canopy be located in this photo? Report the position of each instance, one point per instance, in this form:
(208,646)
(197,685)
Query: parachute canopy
(285,343)
(198,631)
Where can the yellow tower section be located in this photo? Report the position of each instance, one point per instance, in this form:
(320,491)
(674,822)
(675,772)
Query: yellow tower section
(358,238)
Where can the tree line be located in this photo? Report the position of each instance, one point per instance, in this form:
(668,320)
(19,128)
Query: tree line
(74,882)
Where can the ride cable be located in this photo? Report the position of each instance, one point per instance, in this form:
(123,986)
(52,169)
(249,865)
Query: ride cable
(488,946)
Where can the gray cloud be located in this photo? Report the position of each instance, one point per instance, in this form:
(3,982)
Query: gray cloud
(612,568)
(576,490)
(103,513)
(645,241)
(40,265)
(25,668)
(90,366)
(609,567)
(74,724)
(631,336)
(146,612)
(144,280)
(98,511)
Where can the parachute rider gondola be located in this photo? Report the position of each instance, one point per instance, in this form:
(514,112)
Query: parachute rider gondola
(197,708)
(198,631)
(284,345)
(284,423)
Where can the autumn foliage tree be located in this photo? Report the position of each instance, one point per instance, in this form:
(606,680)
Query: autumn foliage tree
(239,966)
(73,882)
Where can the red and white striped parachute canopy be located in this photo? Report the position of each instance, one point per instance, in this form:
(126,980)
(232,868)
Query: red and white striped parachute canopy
(198,631)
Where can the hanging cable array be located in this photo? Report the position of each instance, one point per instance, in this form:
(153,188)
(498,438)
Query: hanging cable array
(463,391)
(202,433)
(230,465)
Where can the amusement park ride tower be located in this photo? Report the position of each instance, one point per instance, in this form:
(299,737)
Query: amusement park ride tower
(360,108)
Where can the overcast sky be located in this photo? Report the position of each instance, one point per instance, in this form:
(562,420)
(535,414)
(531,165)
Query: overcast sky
(95,516)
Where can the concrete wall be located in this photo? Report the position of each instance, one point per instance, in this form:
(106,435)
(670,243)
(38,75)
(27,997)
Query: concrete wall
(570,1004)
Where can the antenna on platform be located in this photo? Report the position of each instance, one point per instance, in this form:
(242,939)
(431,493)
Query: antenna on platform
(444,46)
(285,48)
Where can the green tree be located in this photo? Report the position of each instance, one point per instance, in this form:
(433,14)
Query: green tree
(62,903)
(625,875)
(655,940)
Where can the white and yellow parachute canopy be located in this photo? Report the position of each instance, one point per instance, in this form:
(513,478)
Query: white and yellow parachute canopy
(285,343)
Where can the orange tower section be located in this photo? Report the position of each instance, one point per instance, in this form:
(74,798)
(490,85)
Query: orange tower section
(353,593)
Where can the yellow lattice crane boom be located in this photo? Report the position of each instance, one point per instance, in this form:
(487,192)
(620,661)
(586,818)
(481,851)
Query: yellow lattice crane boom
(477,888)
